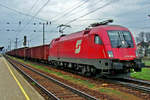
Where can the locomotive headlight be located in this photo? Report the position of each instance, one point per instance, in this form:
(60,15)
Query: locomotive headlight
(110,54)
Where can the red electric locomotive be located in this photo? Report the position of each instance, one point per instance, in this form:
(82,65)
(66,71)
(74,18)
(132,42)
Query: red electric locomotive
(107,50)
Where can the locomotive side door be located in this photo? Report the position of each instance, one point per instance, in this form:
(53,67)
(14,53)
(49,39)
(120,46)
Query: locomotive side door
(97,46)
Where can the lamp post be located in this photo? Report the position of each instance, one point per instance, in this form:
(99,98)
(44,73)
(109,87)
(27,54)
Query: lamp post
(44,25)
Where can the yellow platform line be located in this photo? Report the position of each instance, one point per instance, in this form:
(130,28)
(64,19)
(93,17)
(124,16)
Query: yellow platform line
(20,86)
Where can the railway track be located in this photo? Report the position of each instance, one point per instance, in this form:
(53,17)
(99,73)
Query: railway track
(125,83)
(134,83)
(141,82)
(53,88)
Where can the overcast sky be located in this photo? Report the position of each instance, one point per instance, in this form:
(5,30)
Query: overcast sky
(132,14)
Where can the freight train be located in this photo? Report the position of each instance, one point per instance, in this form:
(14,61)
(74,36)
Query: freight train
(104,50)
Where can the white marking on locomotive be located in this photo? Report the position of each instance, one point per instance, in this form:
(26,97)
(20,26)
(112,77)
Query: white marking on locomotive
(78,46)
(129,56)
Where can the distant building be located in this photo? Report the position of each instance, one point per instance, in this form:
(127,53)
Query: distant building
(143,44)
(143,49)
(140,50)
(147,36)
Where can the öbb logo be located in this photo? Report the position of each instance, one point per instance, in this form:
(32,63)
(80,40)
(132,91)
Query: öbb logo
(78,46)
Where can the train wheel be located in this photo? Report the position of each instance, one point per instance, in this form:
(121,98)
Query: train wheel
(93,71)
(86,71)
(83,71)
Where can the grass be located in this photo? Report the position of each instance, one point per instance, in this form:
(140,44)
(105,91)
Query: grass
(144,74)
(115,93)
(33,83)
(146,62)
(109,91)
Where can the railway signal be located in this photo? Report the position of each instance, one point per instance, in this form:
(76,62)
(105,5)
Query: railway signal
(1,48)
(25,43)
(25,40)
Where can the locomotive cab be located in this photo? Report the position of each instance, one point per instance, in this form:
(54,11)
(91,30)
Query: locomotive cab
(114,51)
(121,51)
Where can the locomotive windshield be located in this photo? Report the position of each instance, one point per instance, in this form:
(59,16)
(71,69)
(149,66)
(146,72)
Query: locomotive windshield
(120,39)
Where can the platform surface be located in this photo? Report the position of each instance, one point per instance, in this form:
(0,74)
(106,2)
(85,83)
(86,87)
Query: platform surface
(13,86)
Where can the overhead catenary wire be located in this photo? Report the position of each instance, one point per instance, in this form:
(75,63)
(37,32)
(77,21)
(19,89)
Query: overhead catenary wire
(12,30)
(21,13)
(71,21)
(35,3)
(71,10)
(90,12)
(35,15)
(29,11)
(81,10)
(66,10)
(32,17)
(95,5)
(36,36)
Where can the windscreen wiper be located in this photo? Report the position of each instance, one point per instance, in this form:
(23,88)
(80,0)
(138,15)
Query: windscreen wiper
(118,42)
(127,44)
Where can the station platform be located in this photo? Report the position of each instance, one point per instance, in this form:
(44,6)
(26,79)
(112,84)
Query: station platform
(13,86)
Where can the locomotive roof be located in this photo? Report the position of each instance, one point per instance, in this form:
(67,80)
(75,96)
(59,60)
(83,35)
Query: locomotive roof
(109,26)
(97,27)
(101,26)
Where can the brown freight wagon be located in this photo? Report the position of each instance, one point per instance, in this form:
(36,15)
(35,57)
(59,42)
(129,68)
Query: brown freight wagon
(39,53)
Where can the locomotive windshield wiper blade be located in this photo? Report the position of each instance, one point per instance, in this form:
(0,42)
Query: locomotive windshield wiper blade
(127,44)
(118,41)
